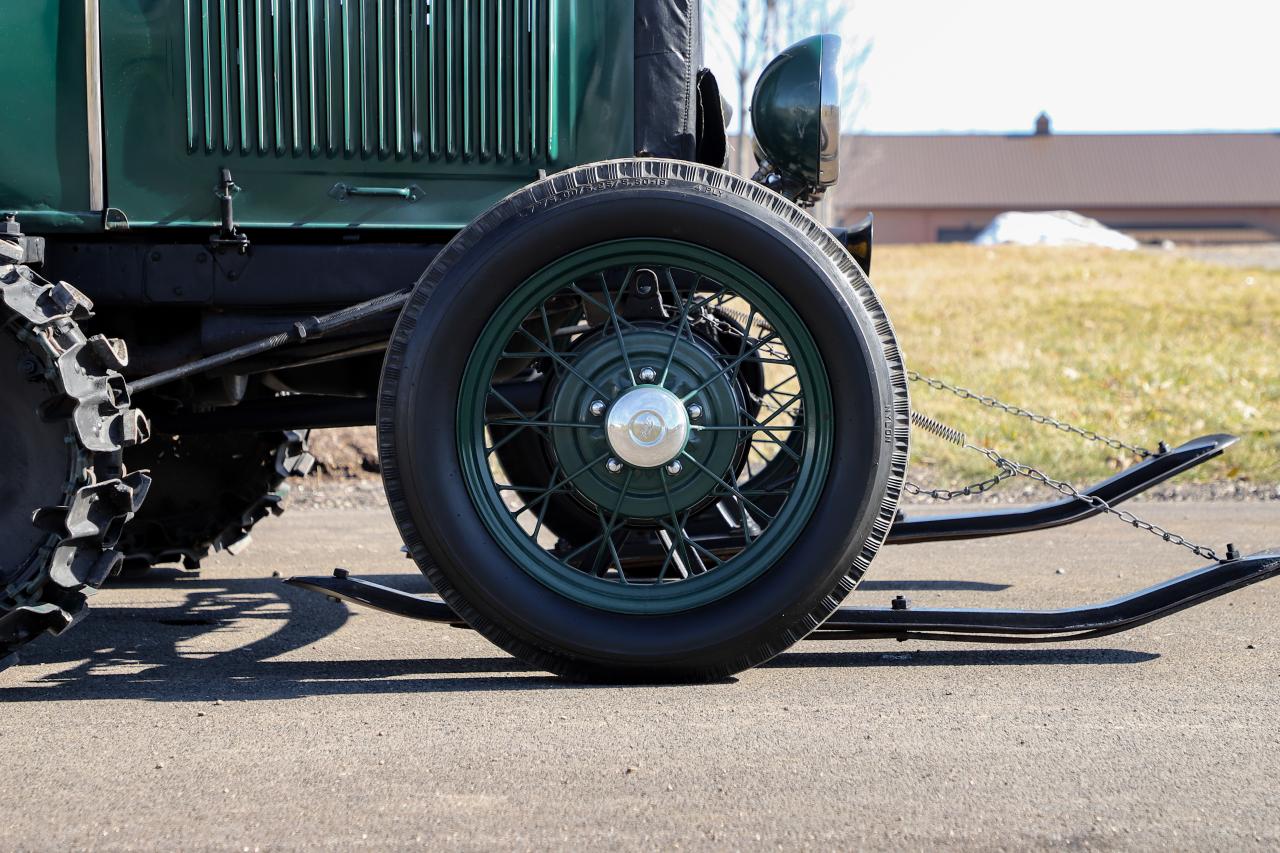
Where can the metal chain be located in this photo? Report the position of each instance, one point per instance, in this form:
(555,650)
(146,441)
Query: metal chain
(947,433)
(971,489)
(1009,468)
(1018,411)
(1098,503)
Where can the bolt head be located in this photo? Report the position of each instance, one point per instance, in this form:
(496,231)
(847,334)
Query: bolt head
(614,466)
(597,408)
(695,411)
(647,375)
(674,467)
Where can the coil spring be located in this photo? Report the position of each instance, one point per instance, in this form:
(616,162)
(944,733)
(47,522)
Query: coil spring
(741,317)
(938,428)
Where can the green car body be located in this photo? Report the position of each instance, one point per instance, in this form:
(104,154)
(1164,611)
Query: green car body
(355,114)
(434,110)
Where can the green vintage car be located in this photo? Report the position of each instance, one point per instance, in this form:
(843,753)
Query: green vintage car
(639,417)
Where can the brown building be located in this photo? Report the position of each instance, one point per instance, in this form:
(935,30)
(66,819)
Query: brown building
(1195,187)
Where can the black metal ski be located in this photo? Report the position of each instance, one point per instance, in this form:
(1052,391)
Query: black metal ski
(1002,522)
(902,622)
(379,597)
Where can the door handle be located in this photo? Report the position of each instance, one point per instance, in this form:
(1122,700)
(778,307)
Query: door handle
(410,193)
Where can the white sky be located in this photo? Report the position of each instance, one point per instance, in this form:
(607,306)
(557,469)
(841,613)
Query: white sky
(1123,65)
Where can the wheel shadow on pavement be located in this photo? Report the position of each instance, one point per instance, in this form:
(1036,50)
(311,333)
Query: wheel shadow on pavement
(224,640)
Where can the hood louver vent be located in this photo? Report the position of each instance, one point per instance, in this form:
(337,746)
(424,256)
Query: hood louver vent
(436,80)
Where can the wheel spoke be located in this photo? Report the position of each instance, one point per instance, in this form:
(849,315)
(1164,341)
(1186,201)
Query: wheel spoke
(558,359)
(684,321)
(506,438)
(515,410)
(542,513)
(699,548)
(534,423)
(612,525)
(601,564)
(765,459)
(567,559)
(668,545)
(782,446)
(569,479)
(612,311)
(692,303)
(733,490)
(745,428)
(728,368)
(746,330)
(690,562)
(798,396)
(677,525)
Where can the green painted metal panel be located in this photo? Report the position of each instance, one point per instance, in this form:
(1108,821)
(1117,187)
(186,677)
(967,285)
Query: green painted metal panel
(464,100)
(44,150)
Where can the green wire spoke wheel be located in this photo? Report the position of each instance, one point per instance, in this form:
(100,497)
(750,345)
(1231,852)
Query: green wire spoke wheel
(643,421)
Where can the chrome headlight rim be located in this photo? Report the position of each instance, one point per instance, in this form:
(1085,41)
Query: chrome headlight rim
(829,113)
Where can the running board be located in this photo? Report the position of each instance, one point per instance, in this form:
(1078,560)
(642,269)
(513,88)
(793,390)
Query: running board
(1001,522)
(903,622)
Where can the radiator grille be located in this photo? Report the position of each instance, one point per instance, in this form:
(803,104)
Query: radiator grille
(436,80)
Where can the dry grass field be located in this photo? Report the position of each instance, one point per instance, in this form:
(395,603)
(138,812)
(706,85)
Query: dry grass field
(1143,345)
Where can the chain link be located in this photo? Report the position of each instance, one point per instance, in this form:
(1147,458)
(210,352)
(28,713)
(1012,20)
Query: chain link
(971,489)
(1098,503)
(1008,468)
(1018,411)
(922,421)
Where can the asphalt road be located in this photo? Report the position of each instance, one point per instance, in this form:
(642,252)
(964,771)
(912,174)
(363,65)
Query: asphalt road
(230,711)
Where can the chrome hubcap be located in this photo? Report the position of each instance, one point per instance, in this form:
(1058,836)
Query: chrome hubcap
(647,426)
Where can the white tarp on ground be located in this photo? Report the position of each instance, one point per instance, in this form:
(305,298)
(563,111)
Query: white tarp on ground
(1055,228)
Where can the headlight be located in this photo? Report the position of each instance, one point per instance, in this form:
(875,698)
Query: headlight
(795,113)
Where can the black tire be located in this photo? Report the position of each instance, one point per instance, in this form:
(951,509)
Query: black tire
(66,494)
(419,395)
(208,493)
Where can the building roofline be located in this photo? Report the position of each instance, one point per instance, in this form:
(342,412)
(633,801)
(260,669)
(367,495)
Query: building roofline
(1022,134)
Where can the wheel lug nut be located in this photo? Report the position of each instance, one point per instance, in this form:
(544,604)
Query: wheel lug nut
(647,375)
(695,411)
(674,467)
(614,466)
(597,408)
